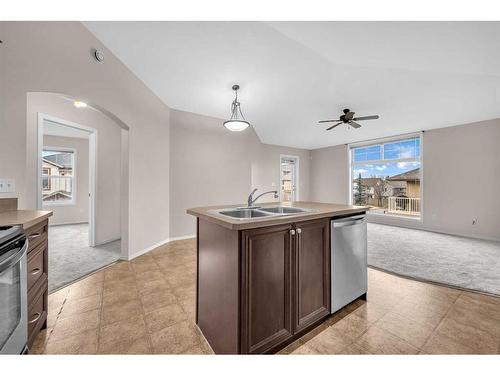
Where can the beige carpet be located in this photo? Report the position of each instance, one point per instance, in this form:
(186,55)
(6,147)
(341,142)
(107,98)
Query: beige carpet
(457,261)
(70,256)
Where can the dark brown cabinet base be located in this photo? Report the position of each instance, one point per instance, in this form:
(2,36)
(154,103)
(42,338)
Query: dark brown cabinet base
(37,273)
(260,289)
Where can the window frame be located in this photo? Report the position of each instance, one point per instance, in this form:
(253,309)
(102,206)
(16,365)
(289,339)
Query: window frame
(72,201)
(296,181)
(382,142)
(48,180)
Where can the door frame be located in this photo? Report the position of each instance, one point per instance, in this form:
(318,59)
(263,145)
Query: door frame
(92,165)
(295,194)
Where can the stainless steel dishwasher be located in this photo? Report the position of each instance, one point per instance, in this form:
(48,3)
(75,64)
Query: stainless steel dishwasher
(349,260)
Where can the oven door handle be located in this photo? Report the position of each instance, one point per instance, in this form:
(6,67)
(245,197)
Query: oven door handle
(14,258)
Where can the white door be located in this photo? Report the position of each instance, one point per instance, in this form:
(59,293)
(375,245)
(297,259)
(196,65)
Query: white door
(288,178)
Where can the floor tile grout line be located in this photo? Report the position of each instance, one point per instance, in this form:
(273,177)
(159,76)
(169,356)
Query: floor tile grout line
(440,321)
(101,316)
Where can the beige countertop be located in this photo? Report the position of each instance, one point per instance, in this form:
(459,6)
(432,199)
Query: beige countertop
(26,218)
(317,211)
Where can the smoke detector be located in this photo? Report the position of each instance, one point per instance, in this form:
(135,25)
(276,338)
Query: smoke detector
(99,56)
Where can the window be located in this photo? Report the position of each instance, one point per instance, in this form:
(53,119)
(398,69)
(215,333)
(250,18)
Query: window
(58,168)
(386,176)
(46,178)
(288,178)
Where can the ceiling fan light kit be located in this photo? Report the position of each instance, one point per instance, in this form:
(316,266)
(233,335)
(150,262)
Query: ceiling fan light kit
(349,119)
(237,122)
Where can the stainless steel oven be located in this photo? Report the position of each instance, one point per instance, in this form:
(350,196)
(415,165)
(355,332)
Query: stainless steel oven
(13,293)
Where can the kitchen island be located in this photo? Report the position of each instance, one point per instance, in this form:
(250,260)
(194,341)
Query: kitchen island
(263,275)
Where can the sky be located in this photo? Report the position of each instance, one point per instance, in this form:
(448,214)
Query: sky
(384,170)
(373,157)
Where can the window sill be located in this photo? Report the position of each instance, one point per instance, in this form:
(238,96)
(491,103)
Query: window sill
(55,204)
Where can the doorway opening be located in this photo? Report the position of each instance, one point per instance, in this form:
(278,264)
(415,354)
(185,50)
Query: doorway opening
(67,178)
(289,177)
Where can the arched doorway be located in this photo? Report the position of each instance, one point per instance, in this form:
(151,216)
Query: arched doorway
(91,234)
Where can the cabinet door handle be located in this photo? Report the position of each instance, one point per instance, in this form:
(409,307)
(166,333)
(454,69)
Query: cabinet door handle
(33,236)
(292,232)
(299,231)
(35,317)
(35,271)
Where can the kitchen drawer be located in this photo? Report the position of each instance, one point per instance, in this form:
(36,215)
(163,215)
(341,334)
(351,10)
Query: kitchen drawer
(36,234)
(37,265)
(37,312)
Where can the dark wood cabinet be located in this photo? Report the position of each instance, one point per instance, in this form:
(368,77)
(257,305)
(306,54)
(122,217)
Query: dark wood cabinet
(311,266)
(266,303)
(259,289)
(37,274)
(285,283)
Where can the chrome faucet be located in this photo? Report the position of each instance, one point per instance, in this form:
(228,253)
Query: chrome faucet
(251,199)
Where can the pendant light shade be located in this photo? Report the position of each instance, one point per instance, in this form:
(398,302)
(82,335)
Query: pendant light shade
(237,122)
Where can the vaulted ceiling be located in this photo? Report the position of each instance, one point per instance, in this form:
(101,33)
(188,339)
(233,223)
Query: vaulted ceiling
(415,75)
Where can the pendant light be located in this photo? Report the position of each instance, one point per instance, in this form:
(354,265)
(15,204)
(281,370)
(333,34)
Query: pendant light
(237,122)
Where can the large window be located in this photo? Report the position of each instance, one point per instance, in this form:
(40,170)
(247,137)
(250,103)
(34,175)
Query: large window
(58,167)
(386,176)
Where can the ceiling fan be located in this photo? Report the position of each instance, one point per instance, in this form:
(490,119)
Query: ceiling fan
(348,118)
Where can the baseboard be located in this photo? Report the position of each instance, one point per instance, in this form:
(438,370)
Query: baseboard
(182,237)
(72,223)
(107,241)
(158,244)
(425,229)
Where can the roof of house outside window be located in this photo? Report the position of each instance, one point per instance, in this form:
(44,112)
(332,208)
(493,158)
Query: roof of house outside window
(64,159)
(413,175)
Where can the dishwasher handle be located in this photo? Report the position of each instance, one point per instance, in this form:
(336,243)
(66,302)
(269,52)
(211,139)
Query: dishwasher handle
(341,224)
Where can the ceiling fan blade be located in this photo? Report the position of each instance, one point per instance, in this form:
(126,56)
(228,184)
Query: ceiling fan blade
(322,121)
(355,125)
(331,127)
(366,118)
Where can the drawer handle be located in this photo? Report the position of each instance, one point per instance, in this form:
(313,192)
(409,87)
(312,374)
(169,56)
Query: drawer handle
(35,317)
(33,236)
(35,271)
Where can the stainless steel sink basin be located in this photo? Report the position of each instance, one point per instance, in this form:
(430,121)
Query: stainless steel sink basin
(244,213)
(283,210)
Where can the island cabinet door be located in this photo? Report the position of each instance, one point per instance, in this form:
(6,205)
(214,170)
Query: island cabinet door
(266,300)
(311,273)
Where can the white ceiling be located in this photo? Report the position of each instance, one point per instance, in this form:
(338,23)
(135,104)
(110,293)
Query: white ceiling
(55,129)
(415,75)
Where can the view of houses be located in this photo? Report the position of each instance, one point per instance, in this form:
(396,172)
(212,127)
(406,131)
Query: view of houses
(397,194)
(57,176)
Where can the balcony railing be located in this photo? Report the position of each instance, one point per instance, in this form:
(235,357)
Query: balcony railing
(405,206)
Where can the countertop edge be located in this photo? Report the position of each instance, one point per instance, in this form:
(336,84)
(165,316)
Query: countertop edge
(38,216)
(258,223)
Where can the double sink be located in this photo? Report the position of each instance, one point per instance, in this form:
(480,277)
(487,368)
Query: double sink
(257,212)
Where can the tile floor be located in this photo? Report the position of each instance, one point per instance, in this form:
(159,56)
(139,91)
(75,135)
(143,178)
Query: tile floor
(147,306)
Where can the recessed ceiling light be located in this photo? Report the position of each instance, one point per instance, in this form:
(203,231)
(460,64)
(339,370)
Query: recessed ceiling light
(79,104)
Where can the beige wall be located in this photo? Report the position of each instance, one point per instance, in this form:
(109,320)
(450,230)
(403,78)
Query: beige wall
(56,57)
(108,205)
(79,211)
(329,174)
(211,166)
(461,180)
